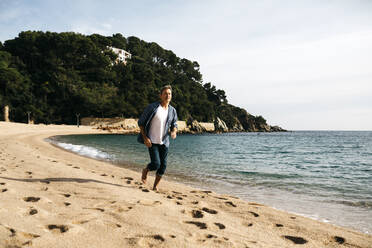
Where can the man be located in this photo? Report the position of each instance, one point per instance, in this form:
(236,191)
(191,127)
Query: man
(154,123)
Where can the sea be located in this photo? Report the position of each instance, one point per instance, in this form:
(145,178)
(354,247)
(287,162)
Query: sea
(324,175)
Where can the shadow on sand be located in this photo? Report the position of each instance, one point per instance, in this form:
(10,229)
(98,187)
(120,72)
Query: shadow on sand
(60,179)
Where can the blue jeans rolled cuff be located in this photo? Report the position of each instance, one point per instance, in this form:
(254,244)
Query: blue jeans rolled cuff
(158,155)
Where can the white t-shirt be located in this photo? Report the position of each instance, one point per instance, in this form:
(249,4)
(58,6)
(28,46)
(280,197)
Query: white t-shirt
(157,125)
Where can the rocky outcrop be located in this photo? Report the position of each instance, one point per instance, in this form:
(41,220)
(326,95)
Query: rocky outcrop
(237,126)
(220,125)
(208,126)
(196,127)
(246,123)
(277,129)
(112,123)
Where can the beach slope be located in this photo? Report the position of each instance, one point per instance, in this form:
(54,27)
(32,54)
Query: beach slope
(53,198)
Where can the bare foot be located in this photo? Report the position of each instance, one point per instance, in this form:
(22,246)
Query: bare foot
(144,175)
(155,189)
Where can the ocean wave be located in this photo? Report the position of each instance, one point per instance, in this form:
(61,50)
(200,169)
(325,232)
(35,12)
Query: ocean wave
(85,150)
(267,175)
(363,204)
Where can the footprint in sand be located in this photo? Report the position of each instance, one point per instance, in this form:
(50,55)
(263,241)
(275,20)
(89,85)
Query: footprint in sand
(210,211)
(221,198)
(201,225)
(4,190)
(145,190)
(128,178)
(129,182)
(33,211)
(296,240)
(148,203)
(197,214)
(254,214)
(220,226)
(339,239)
(80,222)
(66,195)
(210,236)
(29,172)
(195,202)
(104,175)
(230,203)
(31,199)
(279,225)
(2,183)
(76,167)
(58,228)
(12,232)
(159,237)
(67,204)
(21,236)
(99,209)
(45,181)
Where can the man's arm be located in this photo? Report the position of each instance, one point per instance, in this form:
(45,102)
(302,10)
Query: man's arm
(174,133)
(174,125)
(146,139)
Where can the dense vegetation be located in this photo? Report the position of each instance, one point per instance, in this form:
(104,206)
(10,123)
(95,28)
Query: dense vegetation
(57,75)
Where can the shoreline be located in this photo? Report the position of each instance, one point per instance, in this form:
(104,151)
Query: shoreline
(108,205)
(315,210)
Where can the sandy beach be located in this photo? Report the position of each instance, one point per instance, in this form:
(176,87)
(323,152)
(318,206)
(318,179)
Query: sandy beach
(53,198)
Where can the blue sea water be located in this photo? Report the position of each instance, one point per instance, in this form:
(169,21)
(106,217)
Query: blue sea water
(325,175)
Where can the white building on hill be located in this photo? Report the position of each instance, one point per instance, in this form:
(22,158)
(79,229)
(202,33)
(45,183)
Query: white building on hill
(123,55)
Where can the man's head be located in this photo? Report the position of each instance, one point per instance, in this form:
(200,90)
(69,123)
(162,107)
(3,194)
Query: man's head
(166,94)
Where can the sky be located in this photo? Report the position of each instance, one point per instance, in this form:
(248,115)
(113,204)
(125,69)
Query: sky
(302,65)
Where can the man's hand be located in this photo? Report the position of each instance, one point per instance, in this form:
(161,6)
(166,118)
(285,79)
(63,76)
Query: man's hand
(174,134)
(147,141)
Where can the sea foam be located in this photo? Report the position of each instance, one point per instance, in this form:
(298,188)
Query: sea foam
(85,151)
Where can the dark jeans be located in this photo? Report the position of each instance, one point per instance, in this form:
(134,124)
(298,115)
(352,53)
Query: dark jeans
(159,156)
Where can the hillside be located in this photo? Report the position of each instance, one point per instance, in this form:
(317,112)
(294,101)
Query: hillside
(57,75)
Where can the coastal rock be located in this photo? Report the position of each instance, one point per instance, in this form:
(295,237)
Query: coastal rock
(196,127)
(277,129)
(220,125)
(264,127)
(237,126)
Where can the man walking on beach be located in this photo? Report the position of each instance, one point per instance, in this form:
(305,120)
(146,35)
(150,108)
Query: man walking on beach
(154,123)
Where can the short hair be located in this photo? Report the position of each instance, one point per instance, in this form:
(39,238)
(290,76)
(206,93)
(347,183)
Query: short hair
(165,87)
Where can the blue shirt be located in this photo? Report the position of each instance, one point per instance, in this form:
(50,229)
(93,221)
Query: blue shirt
(148,114)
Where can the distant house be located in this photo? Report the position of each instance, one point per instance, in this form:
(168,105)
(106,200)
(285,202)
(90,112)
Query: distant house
(123,55)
